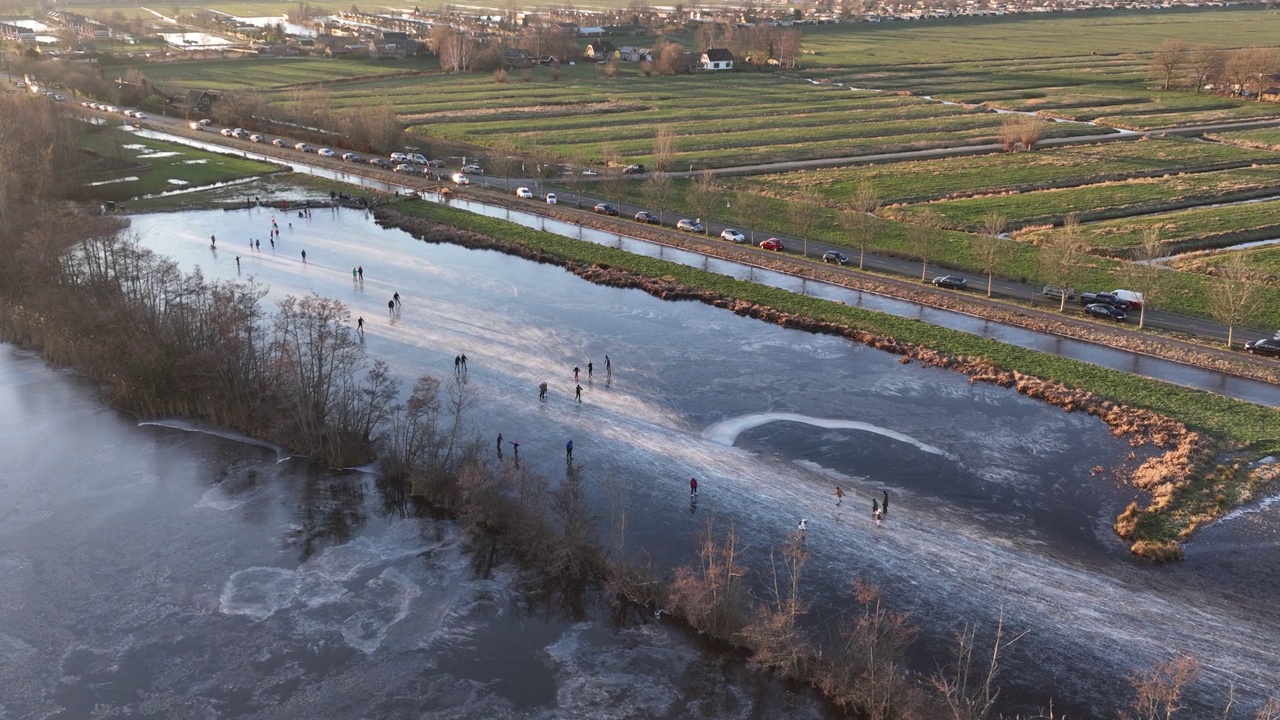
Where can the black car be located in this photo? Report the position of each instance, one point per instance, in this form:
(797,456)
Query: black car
(632,169)
(1103,310)
(645,216)
(380,163)
(1265,346)
(953,282)
(605,209)
(832,256)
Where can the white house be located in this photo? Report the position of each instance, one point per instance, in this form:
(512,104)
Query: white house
(716,59)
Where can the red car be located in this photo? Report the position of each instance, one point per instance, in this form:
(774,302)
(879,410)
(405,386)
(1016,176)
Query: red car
(772,244)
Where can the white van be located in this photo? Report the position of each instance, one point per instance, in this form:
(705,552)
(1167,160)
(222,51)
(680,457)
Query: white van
(551,198)
(524,192)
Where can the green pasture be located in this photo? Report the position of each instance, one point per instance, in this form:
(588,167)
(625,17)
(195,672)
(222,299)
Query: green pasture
(264,73)
(1265,260)
(158,166)
(1033,36)
(1261,137)
(1186,228)
(1004,172)
(1104,199)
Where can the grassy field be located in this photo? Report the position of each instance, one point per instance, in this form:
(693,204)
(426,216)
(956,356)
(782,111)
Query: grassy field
(1109,199)
(1250,221)
(1263,260)
(1006,172)
(1262,137)
(263,73)
(156,166)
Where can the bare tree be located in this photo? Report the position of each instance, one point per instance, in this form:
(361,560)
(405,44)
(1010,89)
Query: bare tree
(1142,274)
(753,214)
(710,596)
(1235,70)
(1031,131)
(456,49)
(1010,133)
(1269,711)
(989,244)
(664,142)
(1232,296)
(804,218)
(1159,691)
(659,192)
(1060,255)
(504,160)
(774,632)
(1168,58)
(703,196)
(968,686)
(860,221)
(922,238)
(1206,65)
(1262,64)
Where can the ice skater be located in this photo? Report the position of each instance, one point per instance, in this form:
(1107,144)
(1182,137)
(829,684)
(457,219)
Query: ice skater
(457,364)
(577,394)
(391,307)
(608,366)
(515,450)
(802,530)
(590,369)
(499,443)
(353,274)
(839,495)
(884,506)
(542,391)
(875,511)
(463,357)
(360,326)
(693,487)
(273,242)
(568,452)
(304,256)
(257,244)
(213,241)
(360,270)
(396,297)
(575,373)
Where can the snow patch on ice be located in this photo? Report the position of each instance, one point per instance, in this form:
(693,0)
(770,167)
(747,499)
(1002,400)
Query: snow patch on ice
(162,154)
(176,181)
(188,426)
(726,432)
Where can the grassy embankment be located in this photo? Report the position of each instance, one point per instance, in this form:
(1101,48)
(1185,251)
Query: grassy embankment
(158,166)
(264,73)
(1235,423)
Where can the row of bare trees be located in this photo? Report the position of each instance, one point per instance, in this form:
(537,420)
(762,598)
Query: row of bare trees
(1175,64)
(756,44)
(310,113)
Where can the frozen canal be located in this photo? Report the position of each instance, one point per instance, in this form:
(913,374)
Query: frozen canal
(994,506)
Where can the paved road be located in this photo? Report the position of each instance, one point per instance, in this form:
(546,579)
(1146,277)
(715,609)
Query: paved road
(880,263)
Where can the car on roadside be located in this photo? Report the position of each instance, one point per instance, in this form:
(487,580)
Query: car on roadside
(378,162)
(605,209)
(326,152)
(551,199)
(417,159)
(226,132)
(240,133)
(474,169)
(460,179)
(256,138)
(195,126)
(1106,312)
(434,163)
(304,147)
(590,172)
(772,244)
(732,236)
(835,256)
(128,113)
(645,216)
(399,157)
(1133,298)
(405,168)
(951,282)
(688,225)
(1265,346)
(351,157)
(279,142)
(633,170)
(524,192)
(138,115)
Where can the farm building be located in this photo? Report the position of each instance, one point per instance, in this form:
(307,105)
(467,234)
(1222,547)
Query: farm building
(716,59)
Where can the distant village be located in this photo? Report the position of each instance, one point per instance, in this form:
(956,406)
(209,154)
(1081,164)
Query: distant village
(512,39)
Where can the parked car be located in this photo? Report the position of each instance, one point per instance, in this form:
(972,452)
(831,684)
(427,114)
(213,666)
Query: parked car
(434,163)
(772,244)
(835,256)
(605,209)
(1105,311)
(195,126)
(378,162)
(476,169)
(227,132)
(350,157)
(404,168)
(127,113)
(524,192)
(459,179)
(417,159)
(279,142)
(1105,299)
(589,171)
(205,122)
(326,152)
(304,147)
(951,282)
(399,157)
(551,198)
(632,169)
(1265,346)
(256,138)
(688,225)
(645,216)
(1133,298)
(732,236)
(240,133)
(138,114)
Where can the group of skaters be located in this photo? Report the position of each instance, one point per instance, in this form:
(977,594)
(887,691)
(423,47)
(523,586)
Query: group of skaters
(879,506)
(460,366)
